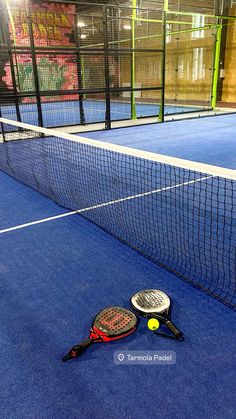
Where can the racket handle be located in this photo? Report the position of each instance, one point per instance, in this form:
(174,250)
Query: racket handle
(77,350)
(178,334)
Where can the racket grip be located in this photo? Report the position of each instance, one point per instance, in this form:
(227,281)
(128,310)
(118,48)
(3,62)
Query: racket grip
(178,334)
(77,350)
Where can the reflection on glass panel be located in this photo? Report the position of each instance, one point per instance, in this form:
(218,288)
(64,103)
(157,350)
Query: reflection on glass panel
(189,69)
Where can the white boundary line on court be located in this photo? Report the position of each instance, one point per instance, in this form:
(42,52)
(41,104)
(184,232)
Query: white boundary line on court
(43,220)
(159,158)
(105,204)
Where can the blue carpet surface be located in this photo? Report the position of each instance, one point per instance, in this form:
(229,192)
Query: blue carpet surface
(210,140)
(68,113)
(22,205)
(54,278)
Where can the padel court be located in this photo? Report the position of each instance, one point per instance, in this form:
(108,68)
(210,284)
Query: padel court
(58,274)
(117,209)
(93,111)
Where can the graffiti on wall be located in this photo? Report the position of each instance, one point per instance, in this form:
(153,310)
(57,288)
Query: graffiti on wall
(50,22)
(52,25)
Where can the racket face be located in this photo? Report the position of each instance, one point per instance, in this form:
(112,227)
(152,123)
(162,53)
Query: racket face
(113,323)
(150,301)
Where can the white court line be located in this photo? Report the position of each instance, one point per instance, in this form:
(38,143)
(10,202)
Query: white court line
(43,220)
(105,204)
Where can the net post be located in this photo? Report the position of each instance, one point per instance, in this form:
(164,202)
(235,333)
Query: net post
(34,64)
(161,116)
(216,66)
(133,20)
(2,128)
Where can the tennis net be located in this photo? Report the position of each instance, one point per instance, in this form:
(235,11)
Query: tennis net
(179,214)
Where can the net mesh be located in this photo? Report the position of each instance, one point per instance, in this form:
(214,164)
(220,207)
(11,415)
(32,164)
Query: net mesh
(180,214)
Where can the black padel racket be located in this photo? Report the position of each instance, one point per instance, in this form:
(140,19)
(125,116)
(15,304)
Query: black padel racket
(112,323)
(155,304)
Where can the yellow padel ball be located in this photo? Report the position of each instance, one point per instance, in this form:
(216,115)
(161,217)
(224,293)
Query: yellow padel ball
(153,324)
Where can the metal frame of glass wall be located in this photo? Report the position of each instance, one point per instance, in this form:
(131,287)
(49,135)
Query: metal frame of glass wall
(110,73)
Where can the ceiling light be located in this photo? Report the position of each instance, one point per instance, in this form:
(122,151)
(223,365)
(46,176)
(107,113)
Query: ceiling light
(81,24)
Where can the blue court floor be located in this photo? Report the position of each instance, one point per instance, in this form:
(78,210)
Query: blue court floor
(56,276)
(210,140)
(68,112)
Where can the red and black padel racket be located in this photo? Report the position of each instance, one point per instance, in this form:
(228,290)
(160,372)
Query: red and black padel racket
(112,323)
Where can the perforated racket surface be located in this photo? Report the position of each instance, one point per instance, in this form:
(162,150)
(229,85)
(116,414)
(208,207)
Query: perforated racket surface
(151,301)
(155,303)
(112,323)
